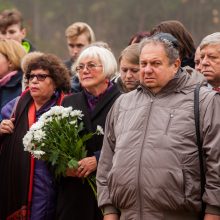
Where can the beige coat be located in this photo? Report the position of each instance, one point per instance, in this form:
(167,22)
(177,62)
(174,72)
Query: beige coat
(149,166)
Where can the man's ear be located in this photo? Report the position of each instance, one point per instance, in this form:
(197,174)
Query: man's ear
(177,64)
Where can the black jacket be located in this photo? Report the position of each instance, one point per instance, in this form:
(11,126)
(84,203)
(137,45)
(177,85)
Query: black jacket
(75,197)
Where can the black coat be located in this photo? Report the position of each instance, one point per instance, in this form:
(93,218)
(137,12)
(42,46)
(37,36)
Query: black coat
(15,164)
(75,198)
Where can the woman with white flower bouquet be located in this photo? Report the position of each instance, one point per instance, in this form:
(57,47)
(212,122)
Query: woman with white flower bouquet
(57,138)
(95,66)
(27,188)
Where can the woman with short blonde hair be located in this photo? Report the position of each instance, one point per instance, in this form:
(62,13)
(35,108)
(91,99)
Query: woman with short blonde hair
(11,53)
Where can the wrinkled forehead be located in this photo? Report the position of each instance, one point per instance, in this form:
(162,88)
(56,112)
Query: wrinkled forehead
(153,48)
(210,48)
(89,58)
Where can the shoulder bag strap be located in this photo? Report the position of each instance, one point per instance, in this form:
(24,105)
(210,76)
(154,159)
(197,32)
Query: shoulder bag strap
(199,143)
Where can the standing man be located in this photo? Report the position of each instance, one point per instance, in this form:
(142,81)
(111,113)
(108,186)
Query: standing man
(12,27)
(210,59)
(197,60)
(149,164)
(78,35)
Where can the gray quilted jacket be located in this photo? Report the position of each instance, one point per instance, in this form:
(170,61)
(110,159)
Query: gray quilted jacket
(149,165)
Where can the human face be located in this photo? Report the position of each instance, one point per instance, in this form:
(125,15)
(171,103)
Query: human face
(155,69)
(92,79)
(129,74)
(4,66)
(14,32)
(198,66)
(210,61)
(75,45)
(41,91)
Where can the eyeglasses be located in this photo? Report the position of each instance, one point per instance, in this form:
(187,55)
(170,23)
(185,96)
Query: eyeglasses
(88,66)
(40,77)
(124,70)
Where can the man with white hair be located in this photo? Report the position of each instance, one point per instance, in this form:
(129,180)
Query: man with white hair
(210,59)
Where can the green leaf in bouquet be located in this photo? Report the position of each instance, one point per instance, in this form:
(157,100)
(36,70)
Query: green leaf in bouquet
(60,170)
(80,127)
(78,149)
(83,152)
(54,157)
(92,182)
(73,164)
(62,140)
(86,137)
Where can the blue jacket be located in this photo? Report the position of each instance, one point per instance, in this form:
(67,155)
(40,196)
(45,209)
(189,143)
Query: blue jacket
(11,90)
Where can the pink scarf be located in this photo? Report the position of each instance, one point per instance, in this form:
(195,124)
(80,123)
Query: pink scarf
(7,78)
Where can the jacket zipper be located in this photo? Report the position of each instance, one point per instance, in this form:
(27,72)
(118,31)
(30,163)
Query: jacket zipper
(140,157)
(171,115)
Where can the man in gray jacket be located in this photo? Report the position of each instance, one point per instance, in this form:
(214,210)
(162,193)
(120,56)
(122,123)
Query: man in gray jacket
(210,59)
(149,164)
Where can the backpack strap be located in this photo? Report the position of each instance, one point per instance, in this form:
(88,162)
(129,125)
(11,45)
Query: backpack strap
(199,143)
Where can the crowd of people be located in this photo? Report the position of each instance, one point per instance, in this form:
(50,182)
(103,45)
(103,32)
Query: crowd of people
(155,160)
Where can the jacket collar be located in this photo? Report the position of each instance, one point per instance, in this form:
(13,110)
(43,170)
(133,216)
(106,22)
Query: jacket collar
(184,81)
(15,79)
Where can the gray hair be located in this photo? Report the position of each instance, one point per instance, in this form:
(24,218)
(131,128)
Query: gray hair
(106,57)
(210,39)
(170,49)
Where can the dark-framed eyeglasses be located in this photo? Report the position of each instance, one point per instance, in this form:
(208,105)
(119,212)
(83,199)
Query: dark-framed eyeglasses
(124,70)
(40,77)
(88,66)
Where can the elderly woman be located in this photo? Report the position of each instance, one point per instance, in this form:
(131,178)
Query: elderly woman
(95,66)
(27,189)
(129,69)
(11,53)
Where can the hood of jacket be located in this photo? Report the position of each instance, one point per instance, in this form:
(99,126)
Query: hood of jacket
(184,81)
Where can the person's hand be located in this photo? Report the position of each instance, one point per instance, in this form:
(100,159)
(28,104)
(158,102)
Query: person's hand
(211,217)
(7,126)
(71,172)
(86,166)
(111,217)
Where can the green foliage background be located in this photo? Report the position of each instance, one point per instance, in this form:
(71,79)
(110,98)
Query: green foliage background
(113,21)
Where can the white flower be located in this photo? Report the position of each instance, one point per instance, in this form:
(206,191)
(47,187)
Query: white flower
(76,113)
(65,114)
(37,126)
(56,110)
(99,130)
(73,122)
(39,135)
(28,138)
(67,110)
(37,153)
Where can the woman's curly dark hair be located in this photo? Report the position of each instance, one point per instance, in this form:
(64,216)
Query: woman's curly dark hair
(56,68)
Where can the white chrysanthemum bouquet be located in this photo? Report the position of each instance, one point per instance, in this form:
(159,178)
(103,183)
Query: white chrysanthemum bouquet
(57,138)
